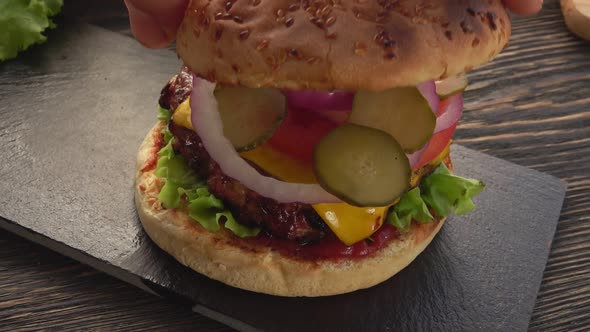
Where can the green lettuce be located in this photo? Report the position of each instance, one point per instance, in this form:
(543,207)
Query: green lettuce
(164,114)
(410,207)
(181,181)
(22,23)
(442,192)
(238,229)
(447,193)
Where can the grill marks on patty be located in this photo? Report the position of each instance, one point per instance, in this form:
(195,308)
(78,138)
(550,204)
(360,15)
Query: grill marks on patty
(293,221)
(177,89)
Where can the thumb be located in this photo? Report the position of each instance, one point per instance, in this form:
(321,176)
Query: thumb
(524,7)
(154,22)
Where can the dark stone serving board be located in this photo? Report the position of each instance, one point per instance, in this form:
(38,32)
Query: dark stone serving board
(72,116)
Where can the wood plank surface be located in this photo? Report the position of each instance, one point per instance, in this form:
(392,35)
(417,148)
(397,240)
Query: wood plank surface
(531,106)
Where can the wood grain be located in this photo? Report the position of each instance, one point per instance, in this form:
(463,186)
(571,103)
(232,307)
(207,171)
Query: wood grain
(531,106)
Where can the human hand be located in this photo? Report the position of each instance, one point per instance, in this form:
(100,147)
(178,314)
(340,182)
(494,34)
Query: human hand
(154,22)
(524,7)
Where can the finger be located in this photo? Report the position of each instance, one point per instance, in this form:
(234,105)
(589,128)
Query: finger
(524,7)
(154,22)
(145,28)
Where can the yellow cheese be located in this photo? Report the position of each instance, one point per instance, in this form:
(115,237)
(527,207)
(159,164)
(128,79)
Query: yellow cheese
(280,166)
(351,224)
(182,114)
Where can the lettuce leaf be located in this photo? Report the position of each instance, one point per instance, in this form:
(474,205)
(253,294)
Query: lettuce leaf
(442,192)
(236,228)
(205,209)
(447,193)
(410,207)
(164,114)
(182,181)
(22,23)
(174,168)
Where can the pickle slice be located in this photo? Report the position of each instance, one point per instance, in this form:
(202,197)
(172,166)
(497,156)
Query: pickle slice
(250,116)
(401,112)
(362,166)
(452,85)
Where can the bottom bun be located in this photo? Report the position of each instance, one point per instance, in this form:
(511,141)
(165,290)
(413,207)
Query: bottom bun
(221,256)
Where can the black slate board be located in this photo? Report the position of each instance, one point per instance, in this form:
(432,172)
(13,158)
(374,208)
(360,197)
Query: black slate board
(74,111)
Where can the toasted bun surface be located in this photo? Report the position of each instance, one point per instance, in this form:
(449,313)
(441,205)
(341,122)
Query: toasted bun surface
(221,256)
(351,45)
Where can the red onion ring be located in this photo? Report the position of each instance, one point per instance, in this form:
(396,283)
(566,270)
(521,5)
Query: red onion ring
(319,101)
(414,158)
(452,113)
(207,123)
(428,91)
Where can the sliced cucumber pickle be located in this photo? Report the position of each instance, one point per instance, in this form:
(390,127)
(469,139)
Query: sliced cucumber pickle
(362,166)
(452,85)
(401,112)
(250,116)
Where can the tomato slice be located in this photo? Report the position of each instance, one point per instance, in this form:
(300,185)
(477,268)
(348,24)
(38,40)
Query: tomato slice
(439,141)
(299,134)
(436,146)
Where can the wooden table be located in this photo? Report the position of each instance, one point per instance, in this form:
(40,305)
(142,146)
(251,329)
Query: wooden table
(531,107)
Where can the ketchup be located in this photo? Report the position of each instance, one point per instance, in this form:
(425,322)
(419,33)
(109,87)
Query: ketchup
(329,248)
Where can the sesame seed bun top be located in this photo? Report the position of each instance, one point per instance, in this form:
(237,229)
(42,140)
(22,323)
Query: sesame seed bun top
(339,44)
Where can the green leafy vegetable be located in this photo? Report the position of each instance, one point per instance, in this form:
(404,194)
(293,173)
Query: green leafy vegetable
(174,168)
(447,193)
(169,195)
(181,181)
(239,230)
(442,191)
(22,23)
(164,114)
(204,209)
(410,207)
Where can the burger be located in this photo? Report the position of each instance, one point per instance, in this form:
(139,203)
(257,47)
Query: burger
(303,148)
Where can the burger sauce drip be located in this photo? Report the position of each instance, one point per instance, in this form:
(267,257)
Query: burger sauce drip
(329,248)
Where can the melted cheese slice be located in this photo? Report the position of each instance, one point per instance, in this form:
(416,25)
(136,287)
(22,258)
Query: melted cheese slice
(182,114)
(349,223)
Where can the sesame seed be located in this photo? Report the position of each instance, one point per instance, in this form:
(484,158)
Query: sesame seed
(218,33)
(294,53)
(244,34)
(388,43)
(360,48)
(312,59)
(389,56)
(449,35)
(330,21)
(492,20)
(316,21)
(228,6)
(262,45)
(289,21)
